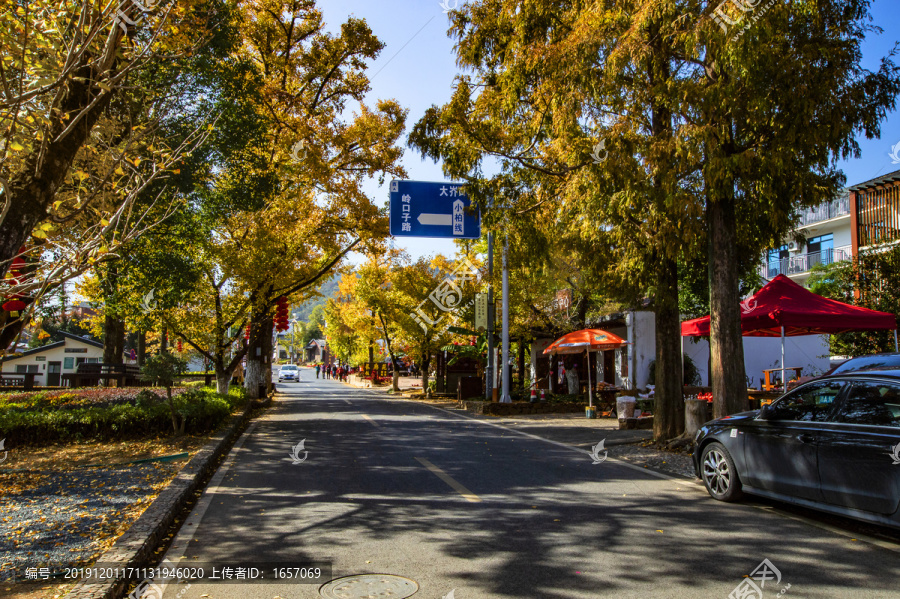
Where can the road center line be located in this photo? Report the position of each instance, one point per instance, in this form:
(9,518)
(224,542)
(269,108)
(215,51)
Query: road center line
(676,479)
(859,536)
(369,418)
(469,495)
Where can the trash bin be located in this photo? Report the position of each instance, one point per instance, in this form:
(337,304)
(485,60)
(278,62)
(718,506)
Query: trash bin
(625,407)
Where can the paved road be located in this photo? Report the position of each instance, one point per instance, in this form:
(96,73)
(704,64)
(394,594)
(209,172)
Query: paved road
(481,510)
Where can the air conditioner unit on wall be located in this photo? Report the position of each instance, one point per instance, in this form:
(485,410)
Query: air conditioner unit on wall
(793,246)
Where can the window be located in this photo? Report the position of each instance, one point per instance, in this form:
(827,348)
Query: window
(778,253)
(820,249)
(68,363)
(778,259)
(875,404)
(820,243)
(92,360)
(812,403)
(21,369)
(33,368)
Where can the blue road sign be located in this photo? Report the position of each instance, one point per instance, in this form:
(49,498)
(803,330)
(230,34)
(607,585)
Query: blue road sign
(426,209)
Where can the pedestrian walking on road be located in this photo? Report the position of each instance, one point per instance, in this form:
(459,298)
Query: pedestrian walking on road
(317,370)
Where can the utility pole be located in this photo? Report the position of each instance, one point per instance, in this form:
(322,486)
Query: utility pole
(489,370)
(505,361)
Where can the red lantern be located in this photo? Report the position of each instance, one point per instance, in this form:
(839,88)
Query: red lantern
(15,268)
(180,347)
(280,321)
(247,333)
(14,306)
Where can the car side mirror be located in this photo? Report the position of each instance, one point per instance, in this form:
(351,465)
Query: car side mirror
(765,411)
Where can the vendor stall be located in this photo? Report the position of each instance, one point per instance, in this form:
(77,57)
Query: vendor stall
(784,308)
(586,341)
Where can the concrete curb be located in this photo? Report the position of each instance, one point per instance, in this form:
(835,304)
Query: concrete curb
(135,547)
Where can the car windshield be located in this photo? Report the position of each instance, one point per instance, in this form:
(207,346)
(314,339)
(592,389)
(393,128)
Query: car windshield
(876,362)
(289,368)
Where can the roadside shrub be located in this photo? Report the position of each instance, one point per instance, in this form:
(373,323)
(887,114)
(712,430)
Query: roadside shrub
(202,410)
(146,397)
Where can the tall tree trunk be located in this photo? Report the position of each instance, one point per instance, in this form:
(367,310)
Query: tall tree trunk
(141,347)
(110,338)
(254,376)
(522,363)
(268,348)
(164,340)
(426,364)
(726,345)
(223,380)
(113,326)
(668,418)
(120,342)
(668,415)
(32,188)
(172,411)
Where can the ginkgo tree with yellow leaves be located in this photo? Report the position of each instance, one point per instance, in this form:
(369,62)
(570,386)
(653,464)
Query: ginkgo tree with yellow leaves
(321,143)
(388,298)
(80,136)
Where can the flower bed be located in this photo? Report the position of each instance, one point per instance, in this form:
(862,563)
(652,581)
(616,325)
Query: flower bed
(75,398)
(40,418)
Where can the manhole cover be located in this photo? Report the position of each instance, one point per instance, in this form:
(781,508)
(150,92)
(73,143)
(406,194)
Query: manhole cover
(369,586)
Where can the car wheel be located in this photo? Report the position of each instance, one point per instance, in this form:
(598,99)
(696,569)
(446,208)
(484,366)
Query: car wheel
(719,473)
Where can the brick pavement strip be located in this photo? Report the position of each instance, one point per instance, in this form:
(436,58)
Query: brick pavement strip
(136,546)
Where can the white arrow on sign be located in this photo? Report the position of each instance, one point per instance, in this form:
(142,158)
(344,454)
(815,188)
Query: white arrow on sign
(436,219)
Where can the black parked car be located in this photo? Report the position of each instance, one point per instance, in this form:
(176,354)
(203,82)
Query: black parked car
(832,444)
(888,361)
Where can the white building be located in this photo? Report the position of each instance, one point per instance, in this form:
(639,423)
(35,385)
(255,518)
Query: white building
(51,361)
(827,229)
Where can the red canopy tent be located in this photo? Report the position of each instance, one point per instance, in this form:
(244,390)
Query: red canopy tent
(785,309)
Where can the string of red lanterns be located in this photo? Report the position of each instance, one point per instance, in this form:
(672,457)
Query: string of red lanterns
(14,304)
(281,314)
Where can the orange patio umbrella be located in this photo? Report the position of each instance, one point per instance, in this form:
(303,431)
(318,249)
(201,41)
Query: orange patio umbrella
(586,340)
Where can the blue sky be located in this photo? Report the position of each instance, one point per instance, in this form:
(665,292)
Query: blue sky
(417,67)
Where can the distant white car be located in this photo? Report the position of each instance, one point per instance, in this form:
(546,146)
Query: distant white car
(289,372)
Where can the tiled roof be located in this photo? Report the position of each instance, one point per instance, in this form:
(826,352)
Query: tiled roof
(49,346)
(888,178)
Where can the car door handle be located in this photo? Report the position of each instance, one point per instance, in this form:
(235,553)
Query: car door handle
(806,438)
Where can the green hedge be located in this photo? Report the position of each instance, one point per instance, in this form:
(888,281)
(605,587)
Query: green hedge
(149,416)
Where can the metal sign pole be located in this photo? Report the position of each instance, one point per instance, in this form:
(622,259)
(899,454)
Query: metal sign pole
(505,361)
(783,378)
(587,352)
(489,369)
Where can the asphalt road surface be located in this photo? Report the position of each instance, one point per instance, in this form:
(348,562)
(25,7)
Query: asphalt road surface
(469,509)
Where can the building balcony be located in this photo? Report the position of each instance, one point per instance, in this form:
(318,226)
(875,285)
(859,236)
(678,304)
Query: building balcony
(802,263)
(825,211)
